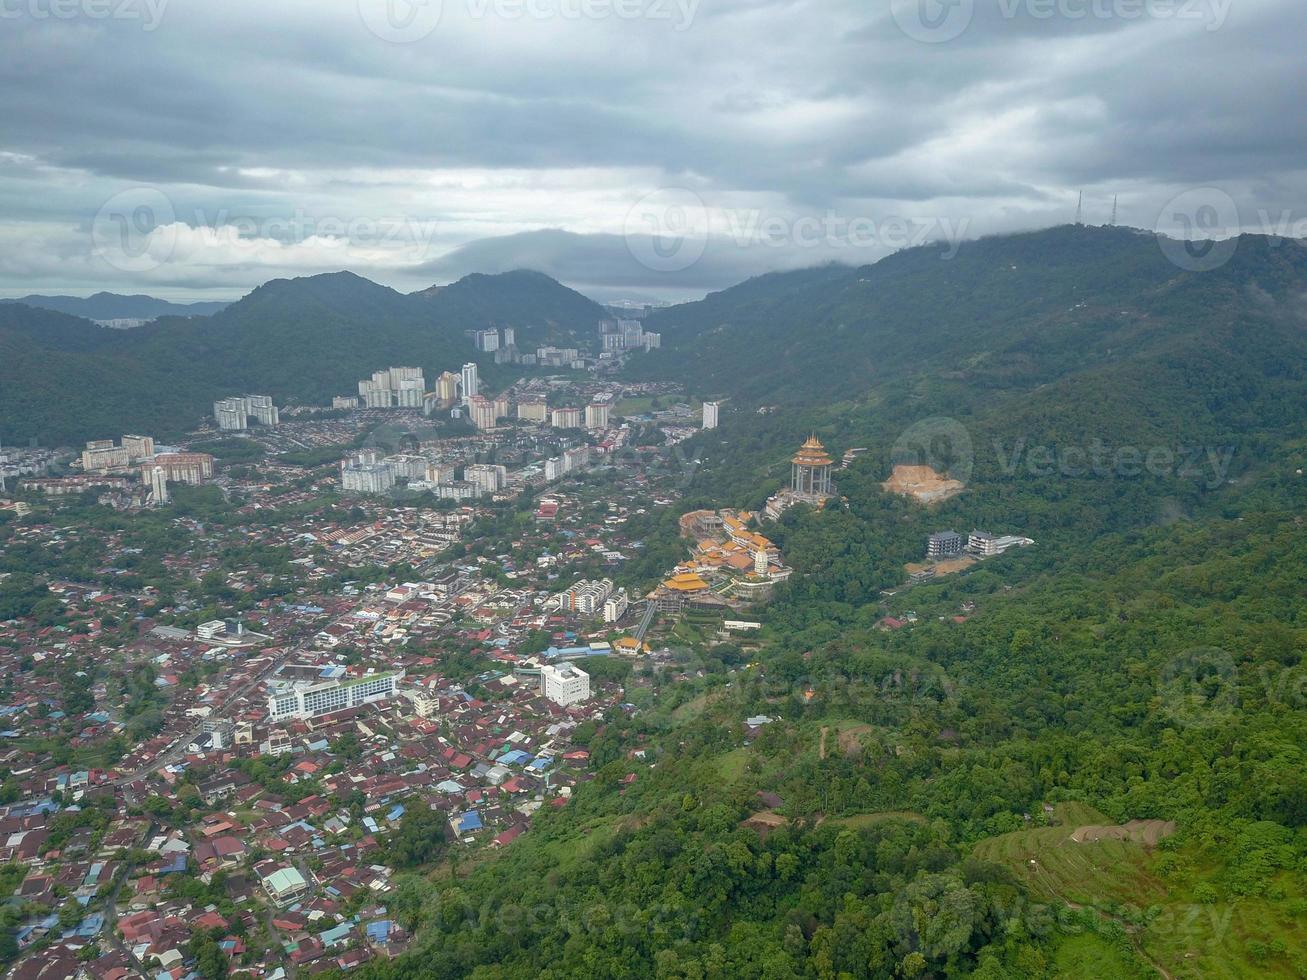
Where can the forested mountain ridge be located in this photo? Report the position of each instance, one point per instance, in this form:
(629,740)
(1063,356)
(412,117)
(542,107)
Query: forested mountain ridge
(541,309)
(115,306)
(1099,390)
(64,379)
(1004,311)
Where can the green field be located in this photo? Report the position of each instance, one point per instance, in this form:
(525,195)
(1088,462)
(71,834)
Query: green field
(643,406)
(1247,936)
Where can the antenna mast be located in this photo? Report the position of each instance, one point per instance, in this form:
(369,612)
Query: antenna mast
(1080,209)
(1114,200)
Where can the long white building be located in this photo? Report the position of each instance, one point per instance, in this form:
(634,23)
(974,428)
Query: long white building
(334,694)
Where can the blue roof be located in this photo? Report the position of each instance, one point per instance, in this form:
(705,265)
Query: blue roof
(395,813)
(468,821)
(379,930)
(336,933)
(515,756)
(91,925)
(553,652)
(544,762)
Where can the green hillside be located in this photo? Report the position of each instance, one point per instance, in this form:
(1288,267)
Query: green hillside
(63,380)
(1138,671)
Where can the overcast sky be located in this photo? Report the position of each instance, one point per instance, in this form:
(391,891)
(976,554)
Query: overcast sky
(648,148)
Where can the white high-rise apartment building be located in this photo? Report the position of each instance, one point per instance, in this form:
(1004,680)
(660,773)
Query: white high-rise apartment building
(102,454)
(471,382)
(711,411)
(157,479)
(407,466)
(368,478)
(230,414)
(488,477)
(234,414)
(138,447)
(615,606)
(482,411)
(566,418)
(447,387)
(438,473)
(596,415)
(533,409)
(261,409)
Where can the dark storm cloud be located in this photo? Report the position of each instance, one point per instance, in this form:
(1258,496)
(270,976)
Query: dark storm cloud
(497,123)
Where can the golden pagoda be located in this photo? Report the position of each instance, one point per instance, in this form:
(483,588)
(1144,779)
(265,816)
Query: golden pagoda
(811,473)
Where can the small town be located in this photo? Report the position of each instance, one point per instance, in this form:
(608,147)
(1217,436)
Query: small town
(332,645)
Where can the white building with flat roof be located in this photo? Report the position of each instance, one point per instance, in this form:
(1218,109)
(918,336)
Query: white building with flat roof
(332,694)
(564,684)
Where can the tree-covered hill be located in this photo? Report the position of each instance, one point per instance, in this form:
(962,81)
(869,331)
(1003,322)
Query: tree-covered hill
(114,306)
(1011,312)
(63,379)
(541,309)
(1142,661)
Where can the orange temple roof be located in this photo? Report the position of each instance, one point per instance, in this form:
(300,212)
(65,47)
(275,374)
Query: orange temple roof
(686,582)
(812,453)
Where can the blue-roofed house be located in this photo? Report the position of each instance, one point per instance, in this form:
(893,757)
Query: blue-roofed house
(464,823)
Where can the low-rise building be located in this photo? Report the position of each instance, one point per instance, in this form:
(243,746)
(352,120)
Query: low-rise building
(943,545)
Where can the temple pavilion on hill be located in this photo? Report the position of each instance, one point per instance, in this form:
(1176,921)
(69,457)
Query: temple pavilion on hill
(811,474)
(810,481)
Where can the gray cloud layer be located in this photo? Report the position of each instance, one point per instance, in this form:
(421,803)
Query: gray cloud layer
(245,140)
